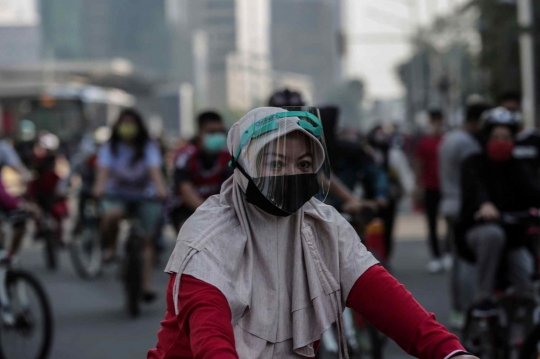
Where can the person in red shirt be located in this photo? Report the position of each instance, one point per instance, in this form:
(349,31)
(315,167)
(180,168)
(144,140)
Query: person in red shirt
(265,268)
(428,188)
(200,167)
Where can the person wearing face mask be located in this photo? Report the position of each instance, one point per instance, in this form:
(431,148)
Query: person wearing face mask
(493,182)
(129,178)
(200,167)
(263,269)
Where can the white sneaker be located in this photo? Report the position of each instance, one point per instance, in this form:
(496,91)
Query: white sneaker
(435,266)
(448,262)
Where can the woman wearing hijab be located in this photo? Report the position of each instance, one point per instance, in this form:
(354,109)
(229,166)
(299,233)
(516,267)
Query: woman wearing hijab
(263,269)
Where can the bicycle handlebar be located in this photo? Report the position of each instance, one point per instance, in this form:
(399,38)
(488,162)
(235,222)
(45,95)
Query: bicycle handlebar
(530,217)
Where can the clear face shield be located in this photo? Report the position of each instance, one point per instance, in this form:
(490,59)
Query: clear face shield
(284,153)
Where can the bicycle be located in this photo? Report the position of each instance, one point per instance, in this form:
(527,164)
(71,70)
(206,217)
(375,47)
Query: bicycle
(86,248)
(502,334)
(131,263)
(24,311)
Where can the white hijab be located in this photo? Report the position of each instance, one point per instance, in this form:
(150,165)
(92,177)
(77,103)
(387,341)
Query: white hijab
(286,279)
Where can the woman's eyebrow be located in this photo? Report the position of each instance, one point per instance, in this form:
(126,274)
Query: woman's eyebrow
(308,154)
(274,154)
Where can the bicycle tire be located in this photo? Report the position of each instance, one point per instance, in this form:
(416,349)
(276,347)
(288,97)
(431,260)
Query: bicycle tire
(87,240)
(13,276)
(133,275)
(485,343)
(530,348)
(51,255)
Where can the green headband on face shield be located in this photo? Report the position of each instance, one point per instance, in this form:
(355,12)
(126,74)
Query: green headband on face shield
(269,123)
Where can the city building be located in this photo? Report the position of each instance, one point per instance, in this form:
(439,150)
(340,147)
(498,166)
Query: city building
(20,35)
(306,39)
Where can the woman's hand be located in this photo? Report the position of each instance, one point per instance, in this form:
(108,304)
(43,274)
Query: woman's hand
(355,206)
(487,212)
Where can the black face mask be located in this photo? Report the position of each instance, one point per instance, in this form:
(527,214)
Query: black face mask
(294,192)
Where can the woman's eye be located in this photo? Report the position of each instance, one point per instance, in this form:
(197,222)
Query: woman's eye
(276,165)
(305,165)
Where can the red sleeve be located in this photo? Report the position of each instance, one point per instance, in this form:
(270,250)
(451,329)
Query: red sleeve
(388,306)
(205,316)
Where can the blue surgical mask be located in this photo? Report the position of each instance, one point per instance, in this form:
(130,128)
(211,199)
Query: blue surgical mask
(215,142)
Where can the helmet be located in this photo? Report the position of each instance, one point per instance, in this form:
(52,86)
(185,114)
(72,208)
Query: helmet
(27,130)
(101,135)
(49,142)
(285,98)
(500,116)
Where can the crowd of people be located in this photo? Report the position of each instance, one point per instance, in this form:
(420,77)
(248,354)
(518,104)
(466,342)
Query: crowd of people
(469,176)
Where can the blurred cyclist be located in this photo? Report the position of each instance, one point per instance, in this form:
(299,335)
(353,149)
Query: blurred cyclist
(399,173)
(47,189)
(493,182)
(129,174)
(200,167)
(84,164)
(427,177)
(455,148)
(9,204)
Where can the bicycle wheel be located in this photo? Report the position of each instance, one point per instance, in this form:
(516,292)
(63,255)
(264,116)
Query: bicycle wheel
(29,335)
(531,346)
(86,251)
(133,274)
(484,337)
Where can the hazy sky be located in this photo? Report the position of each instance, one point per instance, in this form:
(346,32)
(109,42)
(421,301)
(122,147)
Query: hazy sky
(376,61)
(18,12)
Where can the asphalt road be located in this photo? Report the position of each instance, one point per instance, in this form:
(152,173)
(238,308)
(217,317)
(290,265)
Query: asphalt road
(91,323)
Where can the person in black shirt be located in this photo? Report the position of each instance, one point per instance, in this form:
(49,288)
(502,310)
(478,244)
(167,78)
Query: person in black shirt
(200,167)
(494,182)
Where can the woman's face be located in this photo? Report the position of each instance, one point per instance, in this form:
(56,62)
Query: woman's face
(127,120)
(128,129)
(291,154)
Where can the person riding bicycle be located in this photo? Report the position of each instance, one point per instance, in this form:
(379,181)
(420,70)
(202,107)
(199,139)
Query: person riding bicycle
(129,176)
(200,167)
(493,182)
(14,208)
(84,164)
(47,188)
(263,269)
